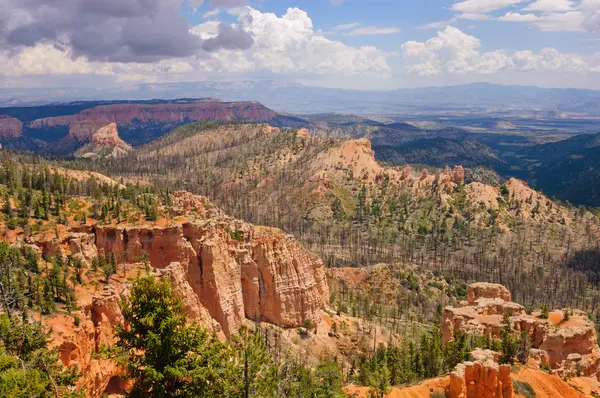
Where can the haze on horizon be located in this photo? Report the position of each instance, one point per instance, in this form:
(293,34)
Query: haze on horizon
(377,44)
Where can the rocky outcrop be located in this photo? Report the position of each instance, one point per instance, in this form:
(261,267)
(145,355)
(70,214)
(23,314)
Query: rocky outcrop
(82,247)
(291,283)
(568,345)
(572,346)
(105,143)
(126,113)
(80,347)
(485,290)
(481,379)
(236,270)
(10,127)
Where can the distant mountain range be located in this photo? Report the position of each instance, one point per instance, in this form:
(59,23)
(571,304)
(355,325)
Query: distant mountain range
(291,96)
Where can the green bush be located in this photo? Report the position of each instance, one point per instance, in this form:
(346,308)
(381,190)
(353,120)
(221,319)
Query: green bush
(523,388)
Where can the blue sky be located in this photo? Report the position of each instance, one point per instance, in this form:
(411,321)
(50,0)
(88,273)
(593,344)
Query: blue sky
(377,44)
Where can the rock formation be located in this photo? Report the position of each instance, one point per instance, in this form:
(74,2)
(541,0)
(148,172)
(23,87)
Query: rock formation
(10,127)
(81,345)
(236,270)
(104,143)
(481,379)
(568,346)
(484,290)
(224,270)
(126,113)
(82,247)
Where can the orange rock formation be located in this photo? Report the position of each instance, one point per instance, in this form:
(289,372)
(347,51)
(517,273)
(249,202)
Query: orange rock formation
(569,346)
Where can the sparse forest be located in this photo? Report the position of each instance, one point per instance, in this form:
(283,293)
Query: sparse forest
(544,251)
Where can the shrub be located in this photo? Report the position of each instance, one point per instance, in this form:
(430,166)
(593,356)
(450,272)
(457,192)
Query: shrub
(523,388)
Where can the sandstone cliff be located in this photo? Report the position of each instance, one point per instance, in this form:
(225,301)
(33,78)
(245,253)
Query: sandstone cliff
(126,113)
(263,275)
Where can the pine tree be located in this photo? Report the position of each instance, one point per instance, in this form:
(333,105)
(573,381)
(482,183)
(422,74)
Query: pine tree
(510,345)
(380,381)
(165,356)
(256,373)
(525,346)
(328,380)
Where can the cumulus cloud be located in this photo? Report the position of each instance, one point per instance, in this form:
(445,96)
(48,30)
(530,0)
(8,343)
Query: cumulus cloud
(108,30)
(257,43)
(559,15)
(551,5)
(516,17)
(289,44)
(456,53)
(483,6)
(569,21)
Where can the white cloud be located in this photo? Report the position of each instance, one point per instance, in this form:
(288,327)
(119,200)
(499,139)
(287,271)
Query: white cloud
(43,59)
(559,15)
(286,44)
(569,21)
(289,44)
(211,13)
(473,17)
(347,26)
(591,15)
(551,5)
(456,53)
(483,6)
(516,17)
(372,31)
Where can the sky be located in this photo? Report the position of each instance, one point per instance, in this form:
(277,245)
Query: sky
(359,44)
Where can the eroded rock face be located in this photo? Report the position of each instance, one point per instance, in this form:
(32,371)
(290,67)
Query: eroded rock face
(568,346)
(292,282)
(81,346)
(236,270)
(481,379)
(224,270)
(104,142)
(10,127)
(176,275)
(83,247)
(485,290)
(572,347)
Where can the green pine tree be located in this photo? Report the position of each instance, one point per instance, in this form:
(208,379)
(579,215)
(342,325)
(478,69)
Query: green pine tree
(166,357)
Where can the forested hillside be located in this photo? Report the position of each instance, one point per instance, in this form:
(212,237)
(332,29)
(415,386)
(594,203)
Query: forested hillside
(341,203)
